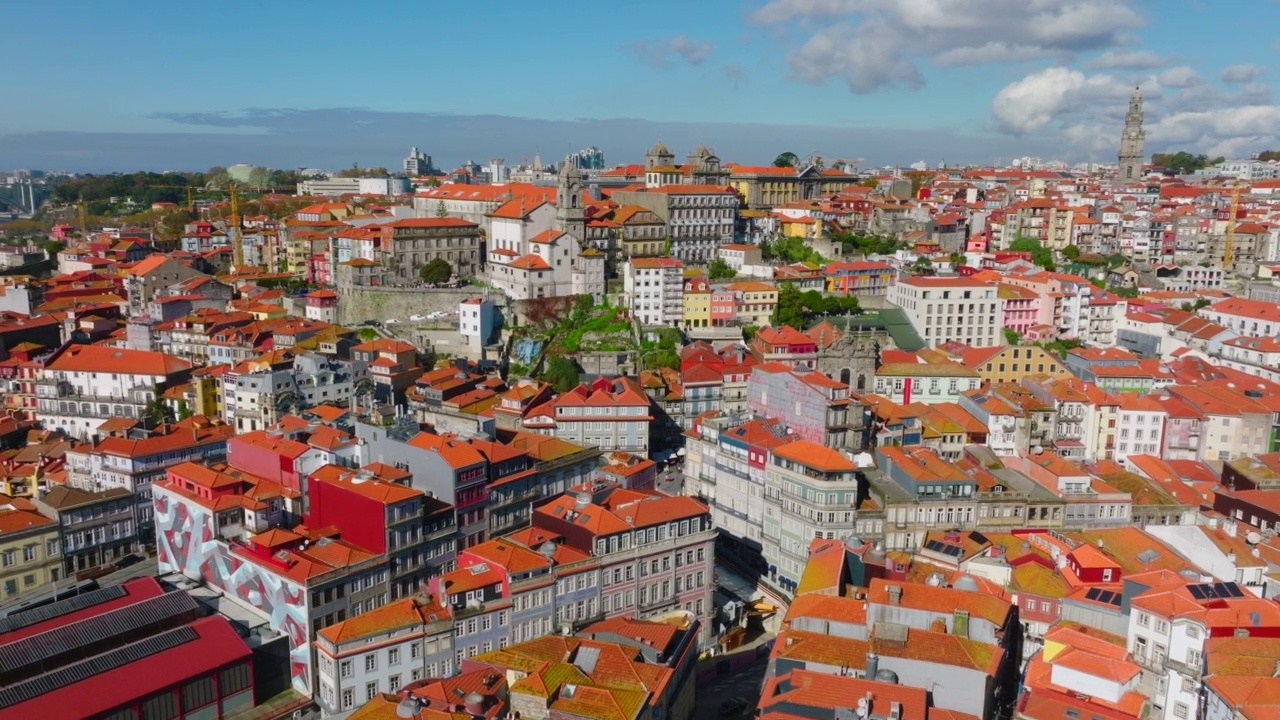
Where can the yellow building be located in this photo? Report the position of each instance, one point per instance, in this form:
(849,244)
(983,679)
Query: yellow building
(754,302)
(30,548)
(697,303)
(769,186)
(797,227)
(1011,363)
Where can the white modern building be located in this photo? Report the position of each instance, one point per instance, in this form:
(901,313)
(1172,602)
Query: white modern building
(655,287)
(943,309)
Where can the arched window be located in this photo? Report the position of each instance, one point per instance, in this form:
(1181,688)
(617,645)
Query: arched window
(845,374)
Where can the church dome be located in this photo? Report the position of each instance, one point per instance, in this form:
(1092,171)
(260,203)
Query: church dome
(659,149)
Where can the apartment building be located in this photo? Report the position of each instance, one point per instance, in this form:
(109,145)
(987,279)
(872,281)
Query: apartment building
(608,413)
(134,463)
(943,309)
(230,530)
(812,406)
(85,385)
(96,528)
(655,287)
(655,553)
(698,218)
(810,491)
(30,547)
(382,651)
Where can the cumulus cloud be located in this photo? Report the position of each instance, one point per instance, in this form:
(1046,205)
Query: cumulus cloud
(662,53)
(1053,95)
(1230,131)
(1126,60)
(1180,77)
(1242,73)
(881,43)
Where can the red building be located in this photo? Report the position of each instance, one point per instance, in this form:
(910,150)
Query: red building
(125,652)
(373,512)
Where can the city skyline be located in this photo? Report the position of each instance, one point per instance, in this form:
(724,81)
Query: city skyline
(894,83)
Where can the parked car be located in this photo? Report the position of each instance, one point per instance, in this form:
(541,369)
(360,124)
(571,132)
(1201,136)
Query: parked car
(392,321)
(417,318)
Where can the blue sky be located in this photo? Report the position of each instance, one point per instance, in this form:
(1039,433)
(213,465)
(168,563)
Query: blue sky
(101,86)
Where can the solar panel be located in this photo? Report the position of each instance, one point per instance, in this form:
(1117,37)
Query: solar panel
(1235,590)
(39,685)
(978,537)
(26,618)
(1092,594)
(954,550)
(153,614)
(1197,591)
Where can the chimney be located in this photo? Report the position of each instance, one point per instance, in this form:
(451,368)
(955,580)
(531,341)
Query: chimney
(960,623)
(873,666)
(895,594)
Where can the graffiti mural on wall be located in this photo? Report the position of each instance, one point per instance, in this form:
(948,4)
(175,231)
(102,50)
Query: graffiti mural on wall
(186,544)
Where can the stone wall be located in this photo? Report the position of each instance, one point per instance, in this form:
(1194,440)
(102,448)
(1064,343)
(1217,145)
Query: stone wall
(357,304)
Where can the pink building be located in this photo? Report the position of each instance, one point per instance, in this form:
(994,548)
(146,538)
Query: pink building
(1021,307)
(723,307)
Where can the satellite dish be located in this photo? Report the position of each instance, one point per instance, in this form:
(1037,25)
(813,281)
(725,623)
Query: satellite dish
(1253,538)
(407,708)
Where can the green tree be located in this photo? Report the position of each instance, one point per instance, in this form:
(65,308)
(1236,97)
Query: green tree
(438,271)
(53,247)
(1012,337)
(1040,255)
(441,210)
(790,307)
(956,259)
(1183,161)
(157,411)
(368,334)
(1071,253)
(923,266)
(184,410)
(561,374)
(718,269)
(786,159)
(26,228)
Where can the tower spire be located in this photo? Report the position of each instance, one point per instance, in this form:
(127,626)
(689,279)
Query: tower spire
(1131,141)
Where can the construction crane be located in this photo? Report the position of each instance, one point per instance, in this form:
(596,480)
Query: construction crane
(1228,249)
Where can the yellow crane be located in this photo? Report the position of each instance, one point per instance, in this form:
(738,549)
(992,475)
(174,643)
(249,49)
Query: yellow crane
(1228,249)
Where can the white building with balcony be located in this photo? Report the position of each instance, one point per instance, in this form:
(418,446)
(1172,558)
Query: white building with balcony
(85,385)
(655,288)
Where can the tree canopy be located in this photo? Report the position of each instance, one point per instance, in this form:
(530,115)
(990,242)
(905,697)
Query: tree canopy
(1183,161)
(1040,255)
(790,250)
(799,308)
(865,244)
(786,159)
(438,271)
(1269,155)
(718,269)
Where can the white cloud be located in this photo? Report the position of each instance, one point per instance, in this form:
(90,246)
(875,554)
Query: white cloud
(879,43)
(1126,60)
(1053,94)
(660,53)
(1232,131)
(1242,73)
(1180,77)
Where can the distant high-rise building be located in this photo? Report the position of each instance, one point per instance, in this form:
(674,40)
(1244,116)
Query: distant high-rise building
(417,164)
(591,158)
(1131,142)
